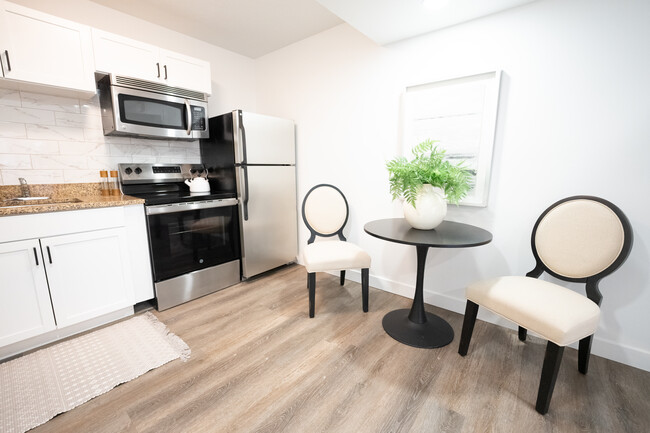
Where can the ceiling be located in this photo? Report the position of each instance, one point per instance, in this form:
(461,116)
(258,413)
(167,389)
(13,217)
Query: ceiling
(254,28)
(386,21)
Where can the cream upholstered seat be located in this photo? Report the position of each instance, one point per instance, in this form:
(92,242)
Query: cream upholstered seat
(334,255)
(325,212)
(578,239)
(532,304)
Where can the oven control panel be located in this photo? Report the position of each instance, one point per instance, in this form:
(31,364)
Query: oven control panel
(131,173)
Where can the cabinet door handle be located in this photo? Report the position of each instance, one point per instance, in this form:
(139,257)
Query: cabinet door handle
(158,67)
(49,255)
(164,66)
(36,256)
(9,63)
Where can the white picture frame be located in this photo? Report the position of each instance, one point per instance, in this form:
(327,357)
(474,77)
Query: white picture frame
(460,115)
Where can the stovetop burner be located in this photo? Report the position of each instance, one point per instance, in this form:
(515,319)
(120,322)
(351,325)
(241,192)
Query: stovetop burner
(164,183)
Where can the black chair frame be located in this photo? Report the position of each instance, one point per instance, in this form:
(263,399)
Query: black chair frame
(311,277)
(553,355)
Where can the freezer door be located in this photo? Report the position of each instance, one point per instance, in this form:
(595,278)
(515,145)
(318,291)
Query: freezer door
(268,215)
(263,139)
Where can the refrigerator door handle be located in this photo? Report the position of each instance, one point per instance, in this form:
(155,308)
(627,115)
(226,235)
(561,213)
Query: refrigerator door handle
(243,140)
(239,133)
(245,198)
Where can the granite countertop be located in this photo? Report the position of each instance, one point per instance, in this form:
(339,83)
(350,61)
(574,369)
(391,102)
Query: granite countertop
(62,197)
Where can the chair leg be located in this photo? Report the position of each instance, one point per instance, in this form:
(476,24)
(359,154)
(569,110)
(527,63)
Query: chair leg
(523,332)
(471,310)
(364,288)
(311,283)
(342,277)
(584,350)
(552,360)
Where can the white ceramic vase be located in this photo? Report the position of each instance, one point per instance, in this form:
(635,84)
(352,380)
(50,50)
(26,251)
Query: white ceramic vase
(430,208)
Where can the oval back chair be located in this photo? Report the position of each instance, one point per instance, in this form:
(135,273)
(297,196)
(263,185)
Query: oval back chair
(577,239)
(325,212)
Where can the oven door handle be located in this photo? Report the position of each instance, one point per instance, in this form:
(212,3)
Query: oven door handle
(188,206)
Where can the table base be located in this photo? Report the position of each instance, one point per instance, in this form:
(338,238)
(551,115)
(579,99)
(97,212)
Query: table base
(435,332)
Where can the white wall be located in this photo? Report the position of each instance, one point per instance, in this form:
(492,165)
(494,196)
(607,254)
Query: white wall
(59,140)
(572,120)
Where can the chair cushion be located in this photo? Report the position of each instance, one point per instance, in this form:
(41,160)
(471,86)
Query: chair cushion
(554,312)
(334,256)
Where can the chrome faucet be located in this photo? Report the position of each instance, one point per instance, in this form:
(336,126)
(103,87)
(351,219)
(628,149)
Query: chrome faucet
(24,188)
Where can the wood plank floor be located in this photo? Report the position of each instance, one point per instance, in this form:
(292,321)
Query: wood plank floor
(259,364)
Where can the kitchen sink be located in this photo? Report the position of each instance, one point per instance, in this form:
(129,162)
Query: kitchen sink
(35,201)
(27,198)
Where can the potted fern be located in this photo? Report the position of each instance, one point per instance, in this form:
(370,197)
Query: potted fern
(426,183)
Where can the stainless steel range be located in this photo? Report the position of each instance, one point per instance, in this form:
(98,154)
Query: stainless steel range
(193,236)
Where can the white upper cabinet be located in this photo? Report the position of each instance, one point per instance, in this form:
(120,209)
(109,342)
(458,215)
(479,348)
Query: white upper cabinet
(186,72)
(46,50)
(4,36)
(123,56)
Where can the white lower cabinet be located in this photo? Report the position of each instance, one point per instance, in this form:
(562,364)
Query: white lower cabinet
(88,274)
(62,273)
(25,308)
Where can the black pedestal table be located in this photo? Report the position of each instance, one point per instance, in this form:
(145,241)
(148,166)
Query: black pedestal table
(416,327)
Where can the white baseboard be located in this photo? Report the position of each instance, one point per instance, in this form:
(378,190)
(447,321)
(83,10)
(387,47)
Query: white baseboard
(628,355)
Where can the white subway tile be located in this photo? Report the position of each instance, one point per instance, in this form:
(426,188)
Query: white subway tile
(175,153)
(12,130)
(33,147)
(143,159)
(105,162)
(132,149)
(10,177)
(192,160)
(116,139)
(175,160)
(82,148)
(46,132)
(26,115)
(91,106)
(193,153)
(184,144)
(63,162)
(149,142)
(14,161)
(81,176)
(10,97)
(96,135)
(78,121)
(49,102)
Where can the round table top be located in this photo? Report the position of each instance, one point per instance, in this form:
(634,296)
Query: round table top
(448,234)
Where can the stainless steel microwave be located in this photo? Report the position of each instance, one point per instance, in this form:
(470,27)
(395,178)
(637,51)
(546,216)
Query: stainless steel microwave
(141,108)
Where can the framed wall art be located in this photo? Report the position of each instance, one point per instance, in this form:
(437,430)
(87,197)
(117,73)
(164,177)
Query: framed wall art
(460,115)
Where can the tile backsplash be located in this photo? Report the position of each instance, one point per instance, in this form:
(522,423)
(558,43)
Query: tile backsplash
(52,139)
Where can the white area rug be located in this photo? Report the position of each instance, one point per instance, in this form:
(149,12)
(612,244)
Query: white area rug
(36,387)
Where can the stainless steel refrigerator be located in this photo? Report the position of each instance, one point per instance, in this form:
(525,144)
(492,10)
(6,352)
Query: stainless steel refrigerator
(255,156)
